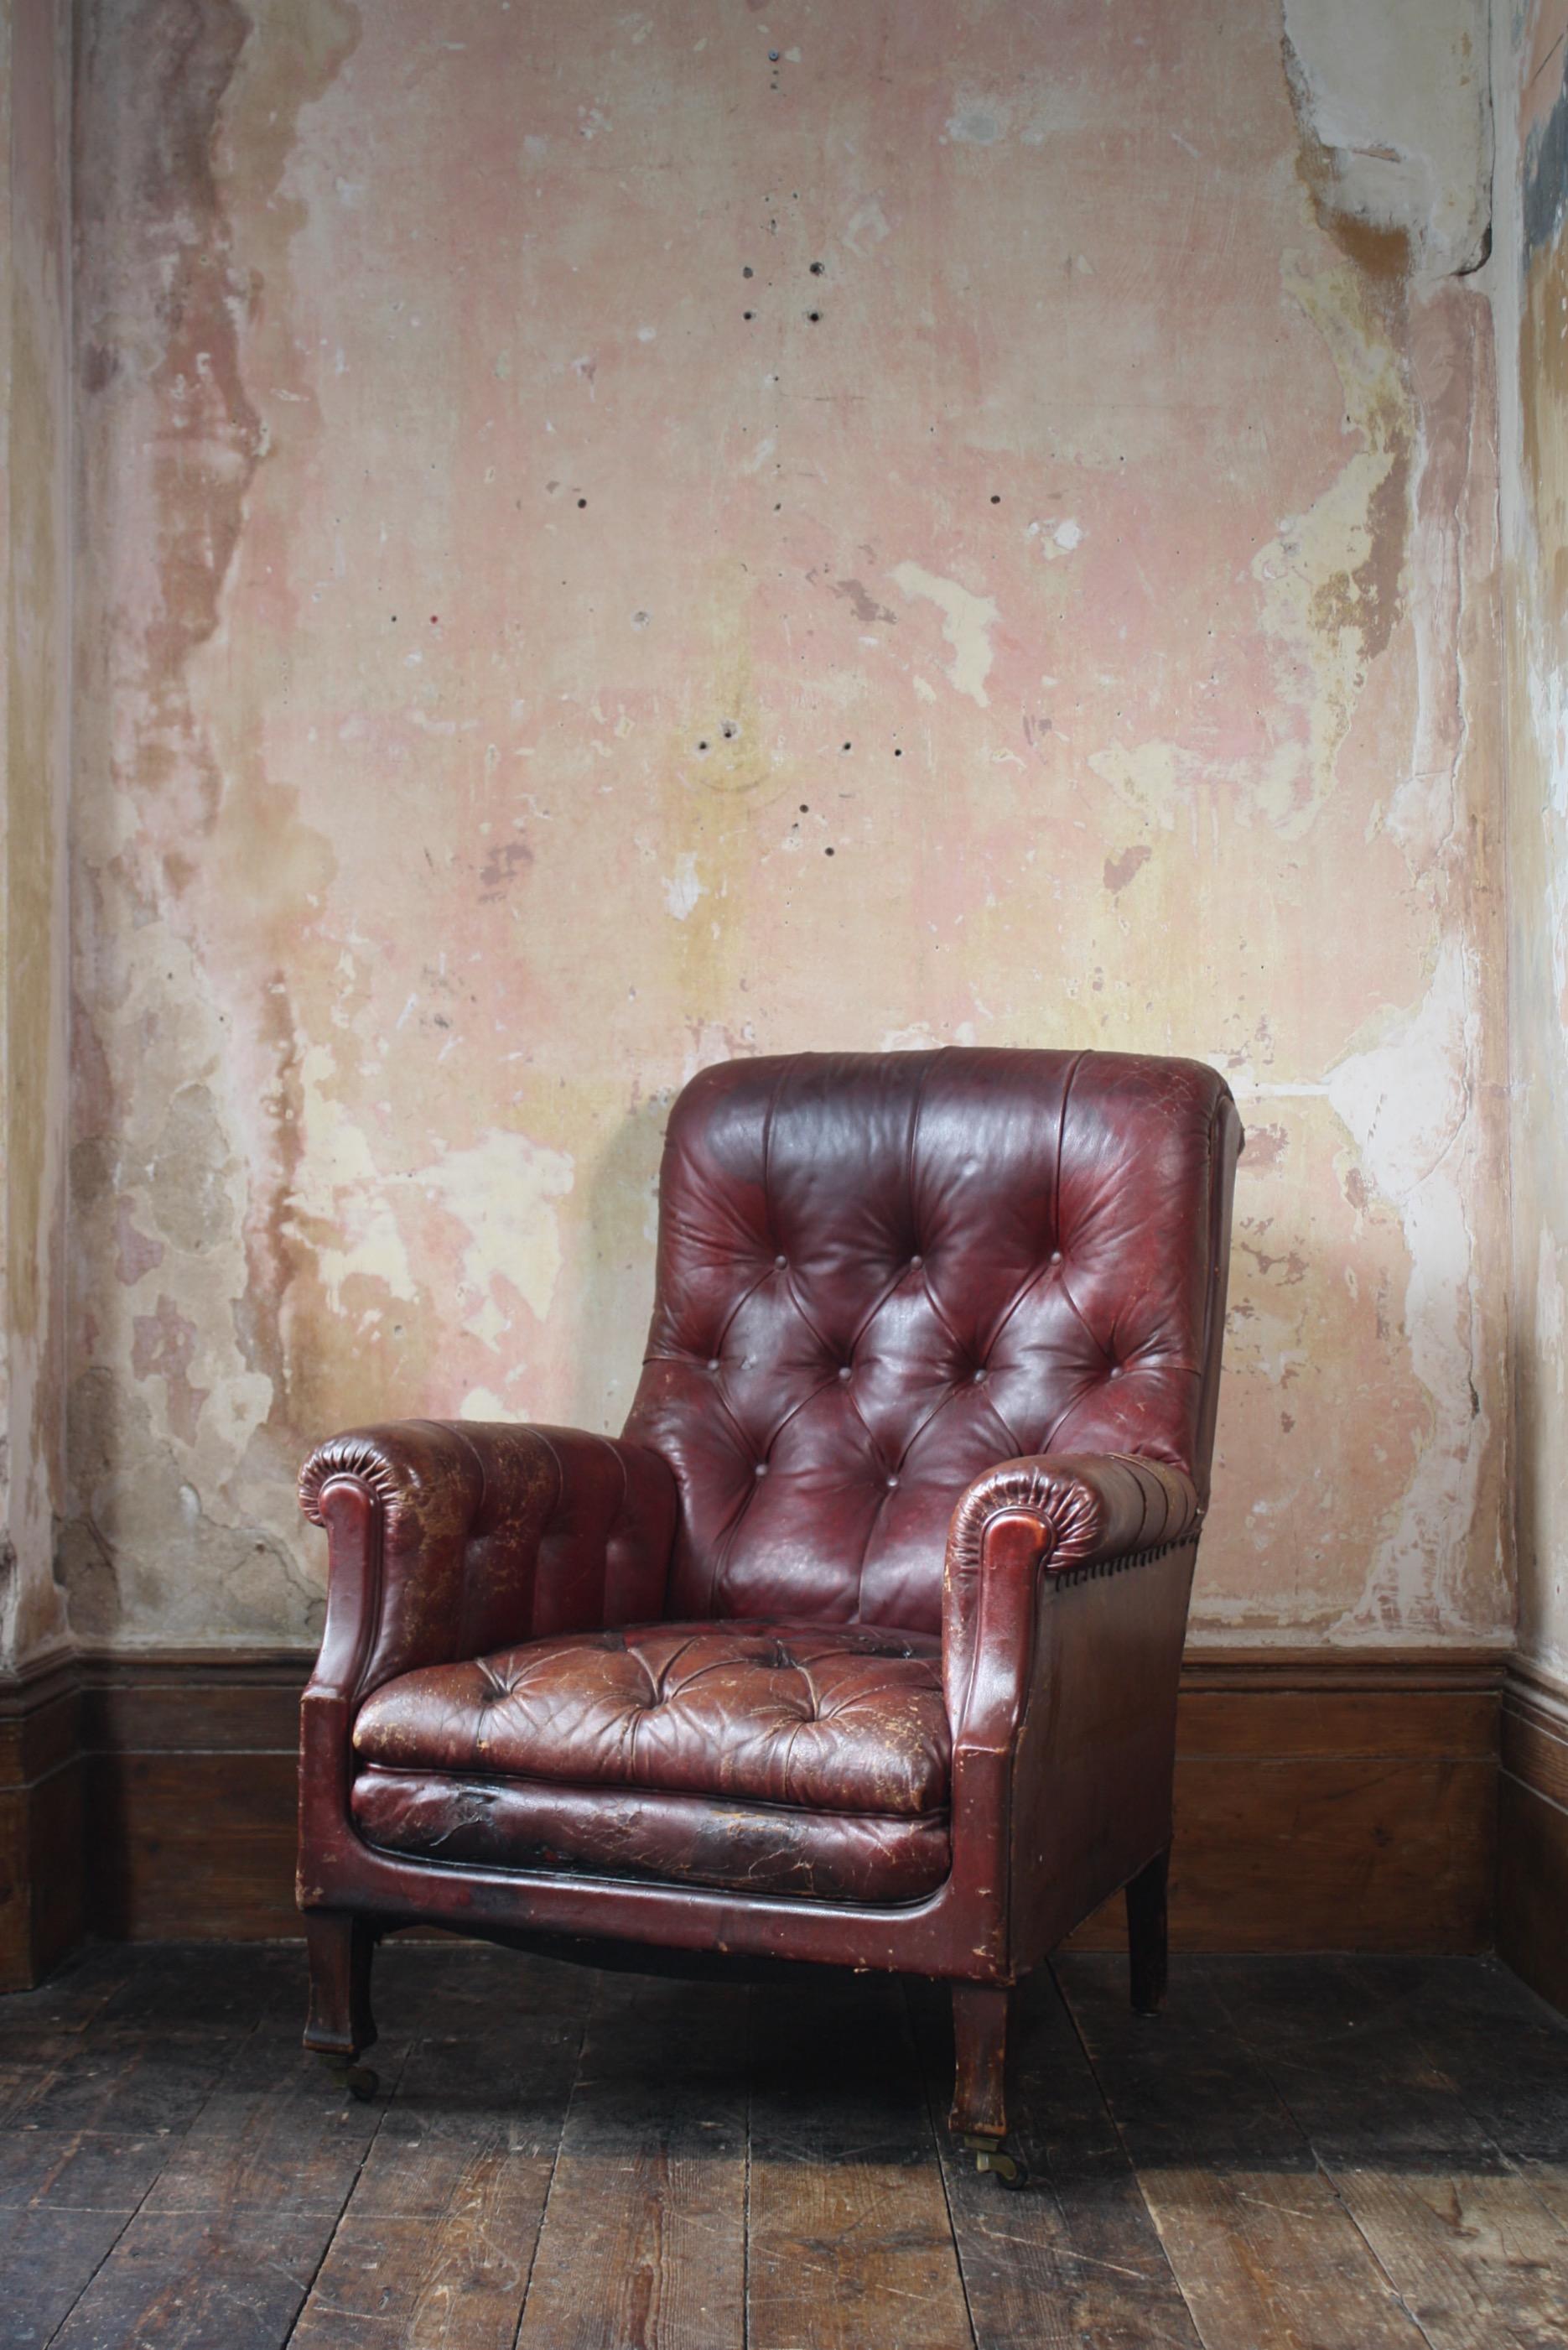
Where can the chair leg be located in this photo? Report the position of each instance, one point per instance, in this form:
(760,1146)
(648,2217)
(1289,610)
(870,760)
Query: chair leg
(979,2115)
(339,1945)
(1147,1937)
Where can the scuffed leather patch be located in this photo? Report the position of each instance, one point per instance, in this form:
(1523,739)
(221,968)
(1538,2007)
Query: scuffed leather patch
(536,1827)
(842,1718)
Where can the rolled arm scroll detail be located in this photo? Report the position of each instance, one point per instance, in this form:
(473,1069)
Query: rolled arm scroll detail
(362,1458)
(1063,1513)
(484,1534)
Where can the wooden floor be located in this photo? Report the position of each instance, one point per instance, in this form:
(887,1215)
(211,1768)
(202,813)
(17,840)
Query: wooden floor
(1310,2153)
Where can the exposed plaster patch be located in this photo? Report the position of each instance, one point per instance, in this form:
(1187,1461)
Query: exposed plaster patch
(1147,776)
(1551,1313)
(967,622)
(339,1207)
(503,1192)
(683,888)
(1408,1100)
(1394,103)
(1331,583)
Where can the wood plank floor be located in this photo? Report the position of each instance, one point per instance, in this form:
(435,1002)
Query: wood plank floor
(1302,2154)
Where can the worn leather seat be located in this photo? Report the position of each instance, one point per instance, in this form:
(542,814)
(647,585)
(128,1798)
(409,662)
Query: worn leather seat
(860,1643)
(800,1758)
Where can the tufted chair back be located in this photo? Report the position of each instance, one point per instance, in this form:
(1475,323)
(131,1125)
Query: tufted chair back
(879,1275)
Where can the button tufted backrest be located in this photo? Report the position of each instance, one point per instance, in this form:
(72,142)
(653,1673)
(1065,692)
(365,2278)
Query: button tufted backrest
(879,1275)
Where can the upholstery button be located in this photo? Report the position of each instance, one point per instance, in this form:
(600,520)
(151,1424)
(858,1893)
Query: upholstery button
(979,1375)
(713,1362)
(892,1480)
(780,1261)
(845,1370)
(760,1470)
(1055,1256)
(1115,1371)
(916,1262)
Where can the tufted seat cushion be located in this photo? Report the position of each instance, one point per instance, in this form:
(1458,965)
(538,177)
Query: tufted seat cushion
(763,1755)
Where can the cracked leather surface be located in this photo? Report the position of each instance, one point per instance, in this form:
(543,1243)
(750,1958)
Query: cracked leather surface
(841,1719)
(529,1824)
(879,1277)
(932,1333)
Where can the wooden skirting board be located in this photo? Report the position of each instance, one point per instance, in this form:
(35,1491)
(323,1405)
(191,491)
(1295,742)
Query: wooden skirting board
(1325,1800)
(1533,1830)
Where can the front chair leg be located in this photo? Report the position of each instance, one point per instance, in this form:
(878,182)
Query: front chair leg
(1147,1934)
(979,2116)
(339,1945)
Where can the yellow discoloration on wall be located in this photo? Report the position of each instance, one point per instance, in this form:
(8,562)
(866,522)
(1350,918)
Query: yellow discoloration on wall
(1533,292)
(511,676)
(501,1194)
(967,622)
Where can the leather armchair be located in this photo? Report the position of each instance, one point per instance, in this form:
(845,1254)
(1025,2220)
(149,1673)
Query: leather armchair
(861,1645)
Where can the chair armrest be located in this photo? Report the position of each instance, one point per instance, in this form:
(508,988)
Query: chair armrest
(448,1539)
(1047,1515)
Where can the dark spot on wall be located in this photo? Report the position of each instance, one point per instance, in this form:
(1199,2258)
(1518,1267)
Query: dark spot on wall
(865,606)
(1368,599)
(1119,870)
(1383,255)
(500,866)
(1545,175)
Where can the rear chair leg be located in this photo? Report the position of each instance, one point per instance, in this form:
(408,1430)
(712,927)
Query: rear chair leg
(339,1944)
(1145,1898)
(979,2116)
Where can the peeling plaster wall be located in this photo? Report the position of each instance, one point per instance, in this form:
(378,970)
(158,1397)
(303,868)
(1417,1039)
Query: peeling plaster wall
(613,537)
(35,701)
(1531,70)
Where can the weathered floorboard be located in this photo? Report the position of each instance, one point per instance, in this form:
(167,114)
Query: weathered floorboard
(1462,2236)
(199,2281)
(1301,2154)
(437,2238)
(850,2246)
(643,2238)
(1265,2252)
(1076,2262)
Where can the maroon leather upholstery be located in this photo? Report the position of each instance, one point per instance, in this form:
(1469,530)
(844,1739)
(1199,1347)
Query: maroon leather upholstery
(1089,1507)
(879,1278)
(933,1369)
(491,1535)
(840,1719)
(531,1826)
(809,1760)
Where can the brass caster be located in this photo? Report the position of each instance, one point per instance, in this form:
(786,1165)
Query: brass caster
(993,2161)
(357,2079)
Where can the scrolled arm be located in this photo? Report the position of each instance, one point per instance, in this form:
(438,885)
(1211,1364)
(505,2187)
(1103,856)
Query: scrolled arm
(449,1538)
(1045,1514)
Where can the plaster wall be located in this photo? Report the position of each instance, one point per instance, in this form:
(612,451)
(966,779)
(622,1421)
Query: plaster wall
(36,400)
(1531,77)
(612,537)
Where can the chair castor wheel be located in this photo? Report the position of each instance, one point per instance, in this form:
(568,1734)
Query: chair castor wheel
(993,2161)
(358,2079)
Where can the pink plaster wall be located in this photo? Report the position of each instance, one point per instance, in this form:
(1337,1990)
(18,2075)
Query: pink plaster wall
(511,675)
(1532,328)
(34,764)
